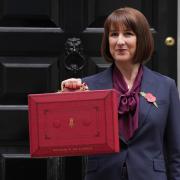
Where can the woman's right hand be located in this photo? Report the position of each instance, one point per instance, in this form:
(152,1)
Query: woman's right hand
(72,84)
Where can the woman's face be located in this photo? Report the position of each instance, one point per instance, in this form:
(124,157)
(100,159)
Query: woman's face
(122,44)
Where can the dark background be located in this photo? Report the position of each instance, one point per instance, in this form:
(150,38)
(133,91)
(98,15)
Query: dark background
(35,39)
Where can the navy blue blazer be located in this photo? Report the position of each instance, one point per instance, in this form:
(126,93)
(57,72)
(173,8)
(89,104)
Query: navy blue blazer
(153,153)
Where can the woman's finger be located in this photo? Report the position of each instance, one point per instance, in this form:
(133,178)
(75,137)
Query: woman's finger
(71,83)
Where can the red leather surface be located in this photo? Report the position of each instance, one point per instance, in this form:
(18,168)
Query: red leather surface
(73,123)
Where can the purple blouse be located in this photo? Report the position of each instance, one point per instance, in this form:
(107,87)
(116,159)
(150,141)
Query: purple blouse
(128,109)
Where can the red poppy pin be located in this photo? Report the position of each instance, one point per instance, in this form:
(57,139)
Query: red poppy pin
(149,97)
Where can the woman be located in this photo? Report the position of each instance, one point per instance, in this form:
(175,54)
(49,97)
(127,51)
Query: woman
(149,106)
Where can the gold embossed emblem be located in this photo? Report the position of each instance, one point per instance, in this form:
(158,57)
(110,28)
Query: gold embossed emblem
(71,123)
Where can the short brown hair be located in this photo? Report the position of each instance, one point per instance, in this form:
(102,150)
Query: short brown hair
(133,20)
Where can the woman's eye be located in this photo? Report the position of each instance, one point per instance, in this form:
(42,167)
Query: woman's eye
(113,34)
(129,33)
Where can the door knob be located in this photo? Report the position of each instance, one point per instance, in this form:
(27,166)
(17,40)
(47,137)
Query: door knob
(169,41)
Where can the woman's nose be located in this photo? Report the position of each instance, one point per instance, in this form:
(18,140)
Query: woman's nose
(120,40)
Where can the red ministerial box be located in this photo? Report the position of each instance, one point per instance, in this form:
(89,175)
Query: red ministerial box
(73,123)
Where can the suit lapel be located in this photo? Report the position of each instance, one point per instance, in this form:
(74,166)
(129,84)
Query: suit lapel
(149,85)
